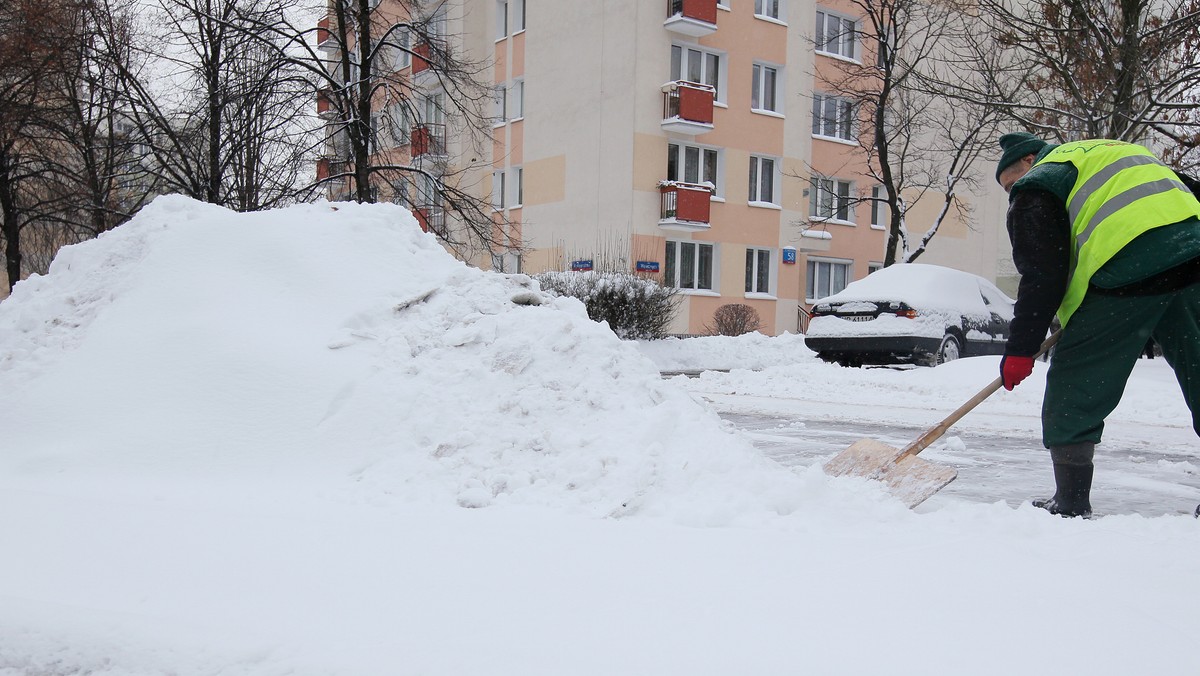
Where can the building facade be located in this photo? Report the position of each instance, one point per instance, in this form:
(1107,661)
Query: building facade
(690,140)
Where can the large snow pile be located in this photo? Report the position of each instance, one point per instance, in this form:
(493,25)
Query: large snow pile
(344,349)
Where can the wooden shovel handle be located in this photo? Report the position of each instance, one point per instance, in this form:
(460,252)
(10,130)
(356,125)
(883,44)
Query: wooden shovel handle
(934,433)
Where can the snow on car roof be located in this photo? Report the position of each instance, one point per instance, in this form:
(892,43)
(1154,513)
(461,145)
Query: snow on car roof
(920,285)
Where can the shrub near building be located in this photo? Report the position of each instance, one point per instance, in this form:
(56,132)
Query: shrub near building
(635,307)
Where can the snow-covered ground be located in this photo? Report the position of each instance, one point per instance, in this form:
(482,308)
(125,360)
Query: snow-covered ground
(310,442)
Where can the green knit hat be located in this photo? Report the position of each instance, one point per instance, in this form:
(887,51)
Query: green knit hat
(1016,145)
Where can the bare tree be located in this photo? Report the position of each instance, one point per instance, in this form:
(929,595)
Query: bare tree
(389,133)
(1073,69)
(920,145)
(32,34)
(216,111)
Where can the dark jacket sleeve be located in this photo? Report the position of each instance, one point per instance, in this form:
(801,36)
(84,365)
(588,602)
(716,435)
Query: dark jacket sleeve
(1040,231)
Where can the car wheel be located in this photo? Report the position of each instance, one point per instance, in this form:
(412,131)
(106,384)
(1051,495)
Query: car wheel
(949,350)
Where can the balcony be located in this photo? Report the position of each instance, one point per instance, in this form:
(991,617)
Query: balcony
(325,104)
(427,139)
(694,18)
(328,168)
(420,57)
(431,218)
(688,107)
(324,36)
(684,206)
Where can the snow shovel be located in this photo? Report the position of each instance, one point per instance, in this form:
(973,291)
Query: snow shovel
(908,477)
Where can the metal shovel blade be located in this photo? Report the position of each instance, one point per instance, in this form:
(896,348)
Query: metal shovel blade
(909,478)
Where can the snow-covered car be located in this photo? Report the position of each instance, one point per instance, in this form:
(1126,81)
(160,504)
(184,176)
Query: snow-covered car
(910,313)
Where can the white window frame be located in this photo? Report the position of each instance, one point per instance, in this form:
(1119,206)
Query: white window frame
(759,90)
(518,187)
(702,153)
(501,19)
(847,45)
(507,262)
(831,198)
(879,208)
(672,266)
(764,8)
(683,67)
(825,267)
(519,17)
(756,177)
(517,100)
(498,190)
(843,121)
(500,100)
(756,257)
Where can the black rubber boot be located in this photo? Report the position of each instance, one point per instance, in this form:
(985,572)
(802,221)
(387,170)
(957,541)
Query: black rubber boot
(1072,480)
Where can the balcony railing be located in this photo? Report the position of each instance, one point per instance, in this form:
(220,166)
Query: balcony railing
(323,33)
(688,107)
(328,168)
(684,206)
(325,103)
(432,218)
(695,18)
(428,139)
(420,57)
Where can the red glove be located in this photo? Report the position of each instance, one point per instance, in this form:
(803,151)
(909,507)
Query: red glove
(1014,369)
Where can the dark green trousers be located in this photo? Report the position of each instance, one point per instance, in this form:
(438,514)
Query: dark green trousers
(1098,350)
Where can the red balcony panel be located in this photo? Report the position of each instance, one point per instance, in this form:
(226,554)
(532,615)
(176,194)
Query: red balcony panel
(324,105)
(422,215)
(696,104)
(686,202)
(419,140)
(701,10)
(420,60)
(323,31)
(322,169)
(693,205)
(427,139)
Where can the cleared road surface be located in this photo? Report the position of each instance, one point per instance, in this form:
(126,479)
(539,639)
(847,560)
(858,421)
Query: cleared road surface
(993,468)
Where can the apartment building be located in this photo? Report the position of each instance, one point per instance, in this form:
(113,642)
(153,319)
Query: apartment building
(688,140)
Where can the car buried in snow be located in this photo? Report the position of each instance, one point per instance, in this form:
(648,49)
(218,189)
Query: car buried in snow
(910,313)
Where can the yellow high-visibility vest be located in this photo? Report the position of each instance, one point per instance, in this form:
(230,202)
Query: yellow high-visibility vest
(1122,191)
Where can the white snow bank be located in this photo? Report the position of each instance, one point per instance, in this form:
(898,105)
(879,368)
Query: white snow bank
(338,349)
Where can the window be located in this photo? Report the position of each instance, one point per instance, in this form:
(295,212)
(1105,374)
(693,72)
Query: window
(517,100)
(768,8)
(498,189)
(764,86)
(836,35)
(874,267)
(830,199)
(501,19)
(508,262)
(693,164)
(519,16)
(762,179)
(696,65)
(825,278)
(518,187)
(689,265)
(833,117)
(879,208)
(403,39)
(500,96)
(758,270)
